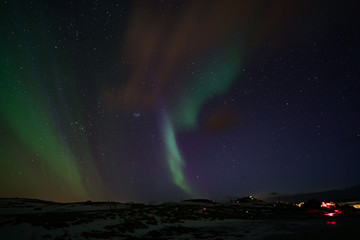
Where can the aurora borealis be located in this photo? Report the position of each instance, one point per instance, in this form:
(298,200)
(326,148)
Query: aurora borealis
(166,100)
(174,158)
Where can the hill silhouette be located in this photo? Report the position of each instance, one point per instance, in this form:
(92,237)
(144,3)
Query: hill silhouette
(346,194)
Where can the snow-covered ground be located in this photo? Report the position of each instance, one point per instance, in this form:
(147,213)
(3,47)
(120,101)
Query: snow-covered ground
(34,219)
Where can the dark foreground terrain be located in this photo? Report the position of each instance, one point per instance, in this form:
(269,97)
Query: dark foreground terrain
(35,219)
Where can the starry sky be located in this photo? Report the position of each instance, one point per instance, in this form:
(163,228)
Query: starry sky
(153,101)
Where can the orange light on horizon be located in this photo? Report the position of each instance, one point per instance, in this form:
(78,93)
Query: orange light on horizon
(357,206)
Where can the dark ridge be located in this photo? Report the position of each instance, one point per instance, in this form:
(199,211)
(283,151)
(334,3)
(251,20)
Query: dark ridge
(346,194)
(30,200)
(199,200)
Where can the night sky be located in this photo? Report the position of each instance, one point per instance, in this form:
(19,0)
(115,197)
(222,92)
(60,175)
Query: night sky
(168,100)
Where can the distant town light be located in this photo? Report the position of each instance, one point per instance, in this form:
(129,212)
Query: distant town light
(357,206)
(328,204)
(333,214)
(330,209)
(330,222)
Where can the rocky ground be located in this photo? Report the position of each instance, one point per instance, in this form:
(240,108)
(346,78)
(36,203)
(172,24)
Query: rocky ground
(34,219)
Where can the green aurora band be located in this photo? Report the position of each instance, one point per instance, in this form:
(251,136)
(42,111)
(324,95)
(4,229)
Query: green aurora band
(174,158)
(218,77)
(31,123)
(220,74)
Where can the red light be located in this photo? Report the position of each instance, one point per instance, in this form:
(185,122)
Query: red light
(330,222)
(329,214)
(332,214)
(327,205)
